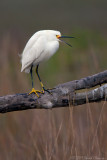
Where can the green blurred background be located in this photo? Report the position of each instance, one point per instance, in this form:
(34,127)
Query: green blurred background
(87,21)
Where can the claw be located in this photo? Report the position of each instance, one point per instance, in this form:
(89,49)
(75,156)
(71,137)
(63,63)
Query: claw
(35,91)
(47,90)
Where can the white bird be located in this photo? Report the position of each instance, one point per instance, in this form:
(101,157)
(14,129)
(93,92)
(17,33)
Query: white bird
(40,47)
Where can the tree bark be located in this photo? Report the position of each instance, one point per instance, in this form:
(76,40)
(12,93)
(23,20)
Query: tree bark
(72,93)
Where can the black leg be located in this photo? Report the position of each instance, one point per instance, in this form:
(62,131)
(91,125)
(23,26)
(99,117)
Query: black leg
(37,72)
(33,90)
(43,88)
(39,77)
(31,75)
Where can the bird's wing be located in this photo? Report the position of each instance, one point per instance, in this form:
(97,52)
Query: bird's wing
(34,48)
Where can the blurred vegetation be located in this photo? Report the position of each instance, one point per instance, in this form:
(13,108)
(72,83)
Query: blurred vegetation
(67,133)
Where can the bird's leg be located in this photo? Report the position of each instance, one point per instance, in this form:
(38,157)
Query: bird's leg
(33,90)
(39,78)
(31,75)
(43,88)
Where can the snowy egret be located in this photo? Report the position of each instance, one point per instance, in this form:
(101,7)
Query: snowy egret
(40,47)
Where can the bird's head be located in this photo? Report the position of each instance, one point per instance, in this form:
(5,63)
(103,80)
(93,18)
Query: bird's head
(60,37)
(53,35)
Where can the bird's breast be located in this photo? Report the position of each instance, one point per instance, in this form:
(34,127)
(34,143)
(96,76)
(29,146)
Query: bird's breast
(51,48)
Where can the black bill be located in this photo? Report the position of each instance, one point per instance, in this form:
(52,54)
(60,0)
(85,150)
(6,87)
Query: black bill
(64,41)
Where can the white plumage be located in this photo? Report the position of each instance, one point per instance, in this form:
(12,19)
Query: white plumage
(40,47)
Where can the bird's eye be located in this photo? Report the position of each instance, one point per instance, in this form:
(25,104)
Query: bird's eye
(58,36)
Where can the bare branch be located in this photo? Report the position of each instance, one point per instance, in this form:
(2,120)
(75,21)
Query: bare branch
(95,95)
(62,95)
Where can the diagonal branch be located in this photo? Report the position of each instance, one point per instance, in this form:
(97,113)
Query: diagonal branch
(62,95)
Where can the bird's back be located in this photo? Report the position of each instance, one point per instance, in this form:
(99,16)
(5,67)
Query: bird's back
(38,49)
(32,52)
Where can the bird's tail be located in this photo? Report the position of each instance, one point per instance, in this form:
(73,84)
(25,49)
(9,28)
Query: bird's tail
(27,70)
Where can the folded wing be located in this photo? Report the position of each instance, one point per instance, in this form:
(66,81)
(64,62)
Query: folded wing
(33,50)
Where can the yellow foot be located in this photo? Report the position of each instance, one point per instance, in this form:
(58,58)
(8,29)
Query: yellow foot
(35,91)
